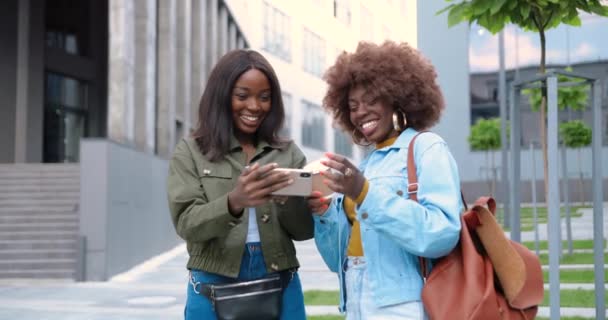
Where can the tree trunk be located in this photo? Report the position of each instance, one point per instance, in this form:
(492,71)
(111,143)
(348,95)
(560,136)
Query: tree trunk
(543,115)
(493,189)
(488,168)
(580,179)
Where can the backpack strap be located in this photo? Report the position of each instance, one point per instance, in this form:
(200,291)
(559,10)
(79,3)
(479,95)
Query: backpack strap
(412,190)
(412,177)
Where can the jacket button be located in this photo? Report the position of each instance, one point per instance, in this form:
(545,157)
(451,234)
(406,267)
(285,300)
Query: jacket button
(364,215)
(399,192)
(274,267)
(232,224)
(265,218)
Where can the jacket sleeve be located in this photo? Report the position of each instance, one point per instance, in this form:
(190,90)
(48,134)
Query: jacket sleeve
(428,228)
(194,217)
(297,219)
(332,232)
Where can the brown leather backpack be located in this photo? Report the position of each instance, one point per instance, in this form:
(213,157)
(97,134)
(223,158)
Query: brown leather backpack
(486,276)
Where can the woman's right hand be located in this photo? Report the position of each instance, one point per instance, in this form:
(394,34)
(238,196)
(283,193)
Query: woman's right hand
(317,203)
(255,185)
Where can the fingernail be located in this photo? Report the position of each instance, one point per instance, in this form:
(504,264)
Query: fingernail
(274,164)
(290,181)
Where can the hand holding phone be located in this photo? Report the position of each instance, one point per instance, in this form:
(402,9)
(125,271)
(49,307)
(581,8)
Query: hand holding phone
(301,186)
(305,182)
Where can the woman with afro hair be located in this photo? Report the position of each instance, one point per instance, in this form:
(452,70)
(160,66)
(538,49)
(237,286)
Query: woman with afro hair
(369,231)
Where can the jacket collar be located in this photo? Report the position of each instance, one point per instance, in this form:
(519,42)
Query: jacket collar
(404,139)
(235,145)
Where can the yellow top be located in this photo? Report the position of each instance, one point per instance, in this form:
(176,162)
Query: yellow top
(355,248)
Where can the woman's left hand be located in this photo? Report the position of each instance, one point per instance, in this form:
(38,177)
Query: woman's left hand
(348,180)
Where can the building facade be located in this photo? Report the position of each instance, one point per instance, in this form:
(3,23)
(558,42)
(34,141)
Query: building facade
(95,96)
(301,48)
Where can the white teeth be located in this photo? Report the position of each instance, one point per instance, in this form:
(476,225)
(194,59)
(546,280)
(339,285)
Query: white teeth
(249,118)
(369,124)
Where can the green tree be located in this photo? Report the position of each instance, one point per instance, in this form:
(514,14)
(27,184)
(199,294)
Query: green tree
(485,136)
(571,97)
(531,15)
(576,134)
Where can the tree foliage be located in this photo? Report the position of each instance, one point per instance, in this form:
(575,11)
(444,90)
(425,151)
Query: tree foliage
(572,97)
(575,134)
(532,15)
(485,135)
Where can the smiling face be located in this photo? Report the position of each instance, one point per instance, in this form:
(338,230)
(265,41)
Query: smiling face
(251,102)
(370,115)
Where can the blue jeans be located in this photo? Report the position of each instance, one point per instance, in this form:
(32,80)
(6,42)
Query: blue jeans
(252,267)
(359,301)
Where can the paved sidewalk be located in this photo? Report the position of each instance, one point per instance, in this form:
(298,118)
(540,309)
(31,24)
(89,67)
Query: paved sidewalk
(156,289)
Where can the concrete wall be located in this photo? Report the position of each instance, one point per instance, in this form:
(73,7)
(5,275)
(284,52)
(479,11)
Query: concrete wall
(435,39)
(8,72)
(123,208)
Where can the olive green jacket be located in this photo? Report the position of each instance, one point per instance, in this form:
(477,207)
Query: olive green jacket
(198,200)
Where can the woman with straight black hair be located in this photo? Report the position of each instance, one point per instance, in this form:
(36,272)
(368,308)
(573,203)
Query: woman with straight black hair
(220,186)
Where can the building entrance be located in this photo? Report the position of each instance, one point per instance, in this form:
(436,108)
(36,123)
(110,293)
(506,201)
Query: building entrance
(65,117)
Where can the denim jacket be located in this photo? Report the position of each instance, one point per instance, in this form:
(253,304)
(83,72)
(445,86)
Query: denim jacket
(394,229)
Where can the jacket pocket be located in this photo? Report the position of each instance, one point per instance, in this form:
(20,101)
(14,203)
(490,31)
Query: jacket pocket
(215,179)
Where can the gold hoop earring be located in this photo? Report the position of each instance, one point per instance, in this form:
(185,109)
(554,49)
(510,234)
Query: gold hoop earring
(396,125)
(359,138)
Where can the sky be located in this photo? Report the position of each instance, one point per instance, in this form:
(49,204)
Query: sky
(588,42)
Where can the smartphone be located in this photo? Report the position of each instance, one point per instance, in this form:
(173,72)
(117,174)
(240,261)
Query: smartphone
(301,186)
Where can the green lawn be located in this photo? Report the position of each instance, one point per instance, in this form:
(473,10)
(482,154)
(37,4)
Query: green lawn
(568,298)
(321,298)
(527,216)
(528,212)
(575,258)
(574,298)
(575,276)
(576,244)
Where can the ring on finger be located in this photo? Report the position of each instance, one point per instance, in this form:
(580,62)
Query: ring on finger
(348,172)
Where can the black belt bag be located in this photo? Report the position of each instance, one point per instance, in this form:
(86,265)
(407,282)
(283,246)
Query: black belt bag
(259,299)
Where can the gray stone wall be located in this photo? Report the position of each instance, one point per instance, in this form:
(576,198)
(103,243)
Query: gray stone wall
(124,214)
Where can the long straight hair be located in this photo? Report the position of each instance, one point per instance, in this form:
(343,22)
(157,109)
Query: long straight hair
(215,125)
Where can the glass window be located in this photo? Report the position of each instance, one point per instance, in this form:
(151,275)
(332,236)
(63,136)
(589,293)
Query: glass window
(286,131)
(67,42)
(343,143)
(313,126)
(367,25)
(64,118)
(313,57)
(277,28)
(342,11)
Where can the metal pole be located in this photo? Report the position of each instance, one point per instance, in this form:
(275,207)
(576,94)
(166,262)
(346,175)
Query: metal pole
(515,164)
(502,106)
(534,209)
(553,198)
(565,189)
(598,213)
